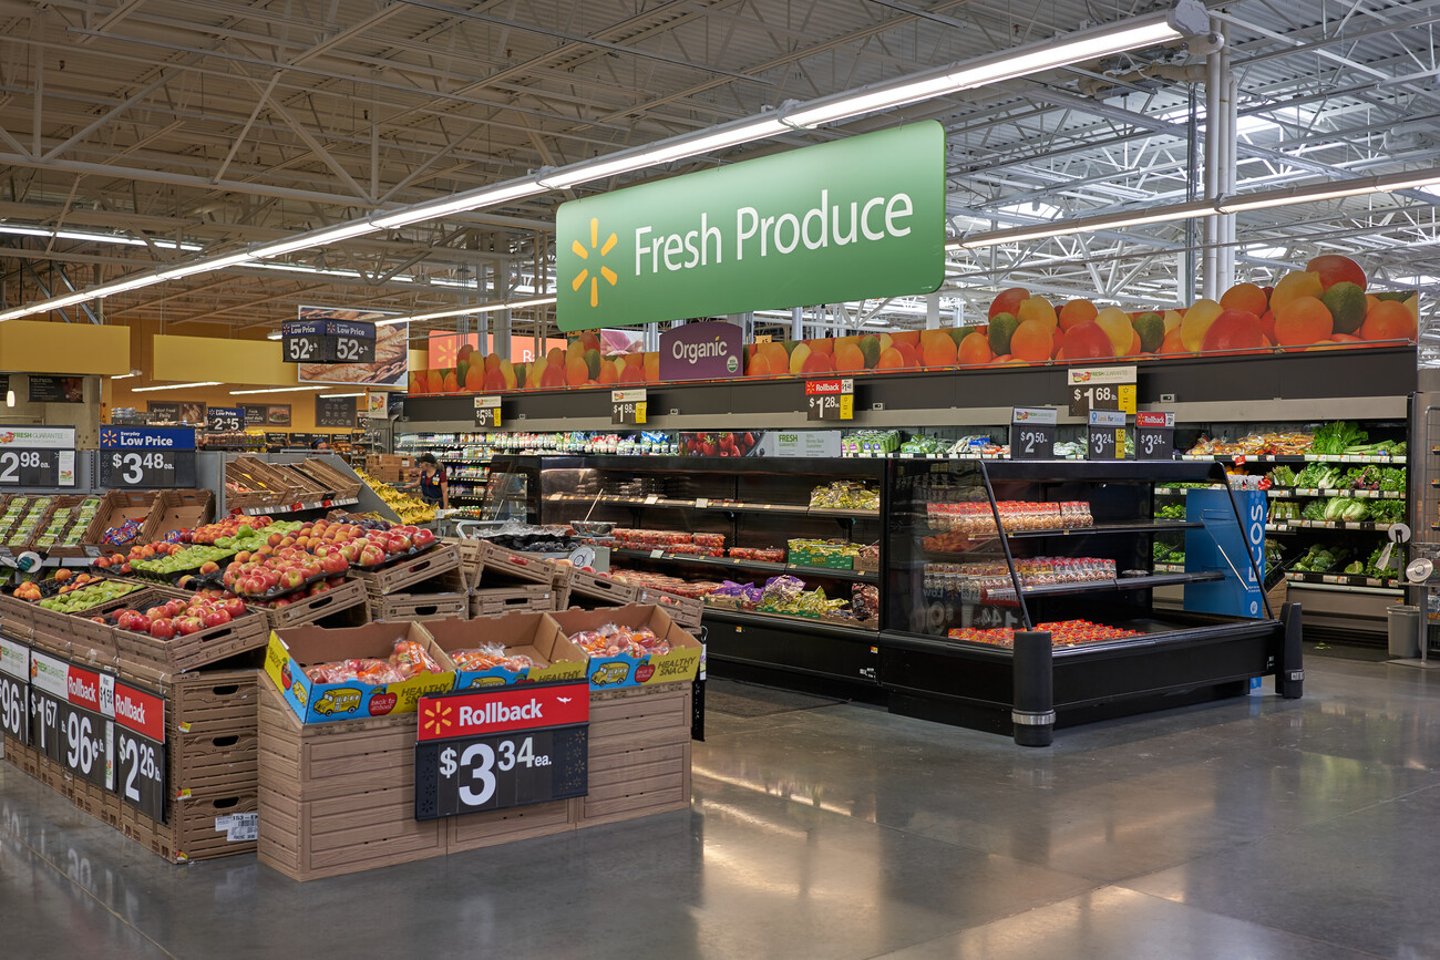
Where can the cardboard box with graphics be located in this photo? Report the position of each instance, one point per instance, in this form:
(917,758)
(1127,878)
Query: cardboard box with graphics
(615,671)
(533,635)
(293,649)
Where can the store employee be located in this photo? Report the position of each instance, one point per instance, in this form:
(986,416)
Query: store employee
(434,487)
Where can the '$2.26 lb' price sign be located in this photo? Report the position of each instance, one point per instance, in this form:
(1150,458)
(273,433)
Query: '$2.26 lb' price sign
(501,747)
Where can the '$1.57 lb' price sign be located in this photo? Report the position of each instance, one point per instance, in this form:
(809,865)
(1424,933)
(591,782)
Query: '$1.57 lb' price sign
(501,747)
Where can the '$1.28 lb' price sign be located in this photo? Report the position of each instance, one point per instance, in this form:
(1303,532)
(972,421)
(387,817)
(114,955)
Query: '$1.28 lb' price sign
(501,747)
(832,399)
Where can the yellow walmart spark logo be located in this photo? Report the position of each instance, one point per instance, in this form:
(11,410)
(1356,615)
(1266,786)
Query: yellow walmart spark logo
(580,251)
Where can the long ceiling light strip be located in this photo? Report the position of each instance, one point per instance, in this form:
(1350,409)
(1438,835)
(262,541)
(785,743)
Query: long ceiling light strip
(1006,65)
(45,233)
(466,311)
(245,393)
(1259,200)
(176,386)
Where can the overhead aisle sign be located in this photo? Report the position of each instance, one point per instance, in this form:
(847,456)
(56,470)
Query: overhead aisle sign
(854,219)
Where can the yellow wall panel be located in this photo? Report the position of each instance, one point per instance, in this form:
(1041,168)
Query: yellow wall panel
(257,362)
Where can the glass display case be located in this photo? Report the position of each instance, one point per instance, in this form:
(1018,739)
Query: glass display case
(980,553)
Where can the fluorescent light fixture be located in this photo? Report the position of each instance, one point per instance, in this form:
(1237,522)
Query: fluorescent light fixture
(204,266)
(466,311)
(177,386)
(1179,211)
(1004,65)
(314,239)
(337,396)
(125,376)
(9,398)
(23,230)
(665,151)
(1293,195)
(246,393)
(277,335)
(460,203)
(1409,180)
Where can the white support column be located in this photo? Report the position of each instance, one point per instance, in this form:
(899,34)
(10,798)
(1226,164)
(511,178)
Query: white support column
(1210,266)
(797,323)
(932,311)
(1230,112)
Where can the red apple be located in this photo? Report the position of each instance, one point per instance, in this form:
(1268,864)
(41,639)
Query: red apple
(217,617)
(163,629)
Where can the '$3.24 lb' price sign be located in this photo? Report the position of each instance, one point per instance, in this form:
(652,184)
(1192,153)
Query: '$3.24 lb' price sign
(497,770)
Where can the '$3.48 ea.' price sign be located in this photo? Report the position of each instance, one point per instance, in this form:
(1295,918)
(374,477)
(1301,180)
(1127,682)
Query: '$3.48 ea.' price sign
(501,747)
(147,457)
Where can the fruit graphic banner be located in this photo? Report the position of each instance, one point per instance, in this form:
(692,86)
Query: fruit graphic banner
(1325,307)
(849,220)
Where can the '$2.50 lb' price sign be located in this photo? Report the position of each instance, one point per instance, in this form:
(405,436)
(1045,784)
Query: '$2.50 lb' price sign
(501,747)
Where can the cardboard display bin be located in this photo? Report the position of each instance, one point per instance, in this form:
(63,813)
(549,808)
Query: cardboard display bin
(680,665)
(534,635)
(294,648)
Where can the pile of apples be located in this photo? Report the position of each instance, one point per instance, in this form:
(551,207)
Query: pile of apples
(318,550)
(120,562)
(180,617)
(226,527)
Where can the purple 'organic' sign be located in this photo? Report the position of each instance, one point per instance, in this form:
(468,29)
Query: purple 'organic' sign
(700,351)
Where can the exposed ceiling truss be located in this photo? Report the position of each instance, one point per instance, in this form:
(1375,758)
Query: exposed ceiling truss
(220,122)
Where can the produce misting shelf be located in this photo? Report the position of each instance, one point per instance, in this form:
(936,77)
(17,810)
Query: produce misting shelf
(1347,588)
(1121,583)
(1364,525)
(1297,458)
(1343,580)
(1299,492)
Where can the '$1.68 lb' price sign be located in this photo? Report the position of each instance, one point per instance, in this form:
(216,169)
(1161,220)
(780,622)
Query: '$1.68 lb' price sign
(501,747)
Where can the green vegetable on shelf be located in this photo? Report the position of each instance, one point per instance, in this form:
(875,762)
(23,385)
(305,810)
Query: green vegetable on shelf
(1319,559)
(1345,508)
(1283,476)
(1334,438)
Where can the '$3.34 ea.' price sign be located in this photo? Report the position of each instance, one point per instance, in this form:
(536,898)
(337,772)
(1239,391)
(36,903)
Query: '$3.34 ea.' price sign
(501,747)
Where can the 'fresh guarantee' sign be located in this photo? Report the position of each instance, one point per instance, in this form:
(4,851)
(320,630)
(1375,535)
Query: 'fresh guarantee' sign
(857,218)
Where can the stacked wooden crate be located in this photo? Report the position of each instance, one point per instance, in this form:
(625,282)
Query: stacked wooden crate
(427,585)
(507,581)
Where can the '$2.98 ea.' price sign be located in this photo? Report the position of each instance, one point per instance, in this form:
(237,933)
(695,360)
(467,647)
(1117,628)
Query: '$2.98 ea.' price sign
(501,747)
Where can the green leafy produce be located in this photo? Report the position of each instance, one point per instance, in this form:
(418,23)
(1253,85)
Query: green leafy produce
(1393,479)
(1284,510)
(1387,511)
(1170,511)
(1334,438)
(1345,508)
(1355,568)
(1314,510)
(1282,476)
(1319,559)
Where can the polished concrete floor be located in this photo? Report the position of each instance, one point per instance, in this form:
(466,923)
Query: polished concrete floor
(1251,829)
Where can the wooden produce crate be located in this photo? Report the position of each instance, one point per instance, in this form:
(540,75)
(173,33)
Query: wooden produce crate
(346,605)
(75,634)
(339,485)
(177,510)
(475,830)
(502,600)
(201,762)
(401,575)
(602,588)
(211,823)
(639,754)
(116,507)
(247,632)
(338,798)
(497,566)
(469,558)
(686,611)
(212,701)
(441,596)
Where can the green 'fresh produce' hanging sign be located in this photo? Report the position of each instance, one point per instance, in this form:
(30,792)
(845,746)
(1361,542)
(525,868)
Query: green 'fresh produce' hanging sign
(849,220)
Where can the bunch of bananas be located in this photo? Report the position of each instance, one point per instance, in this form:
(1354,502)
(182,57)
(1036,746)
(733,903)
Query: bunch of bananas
(410,509)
